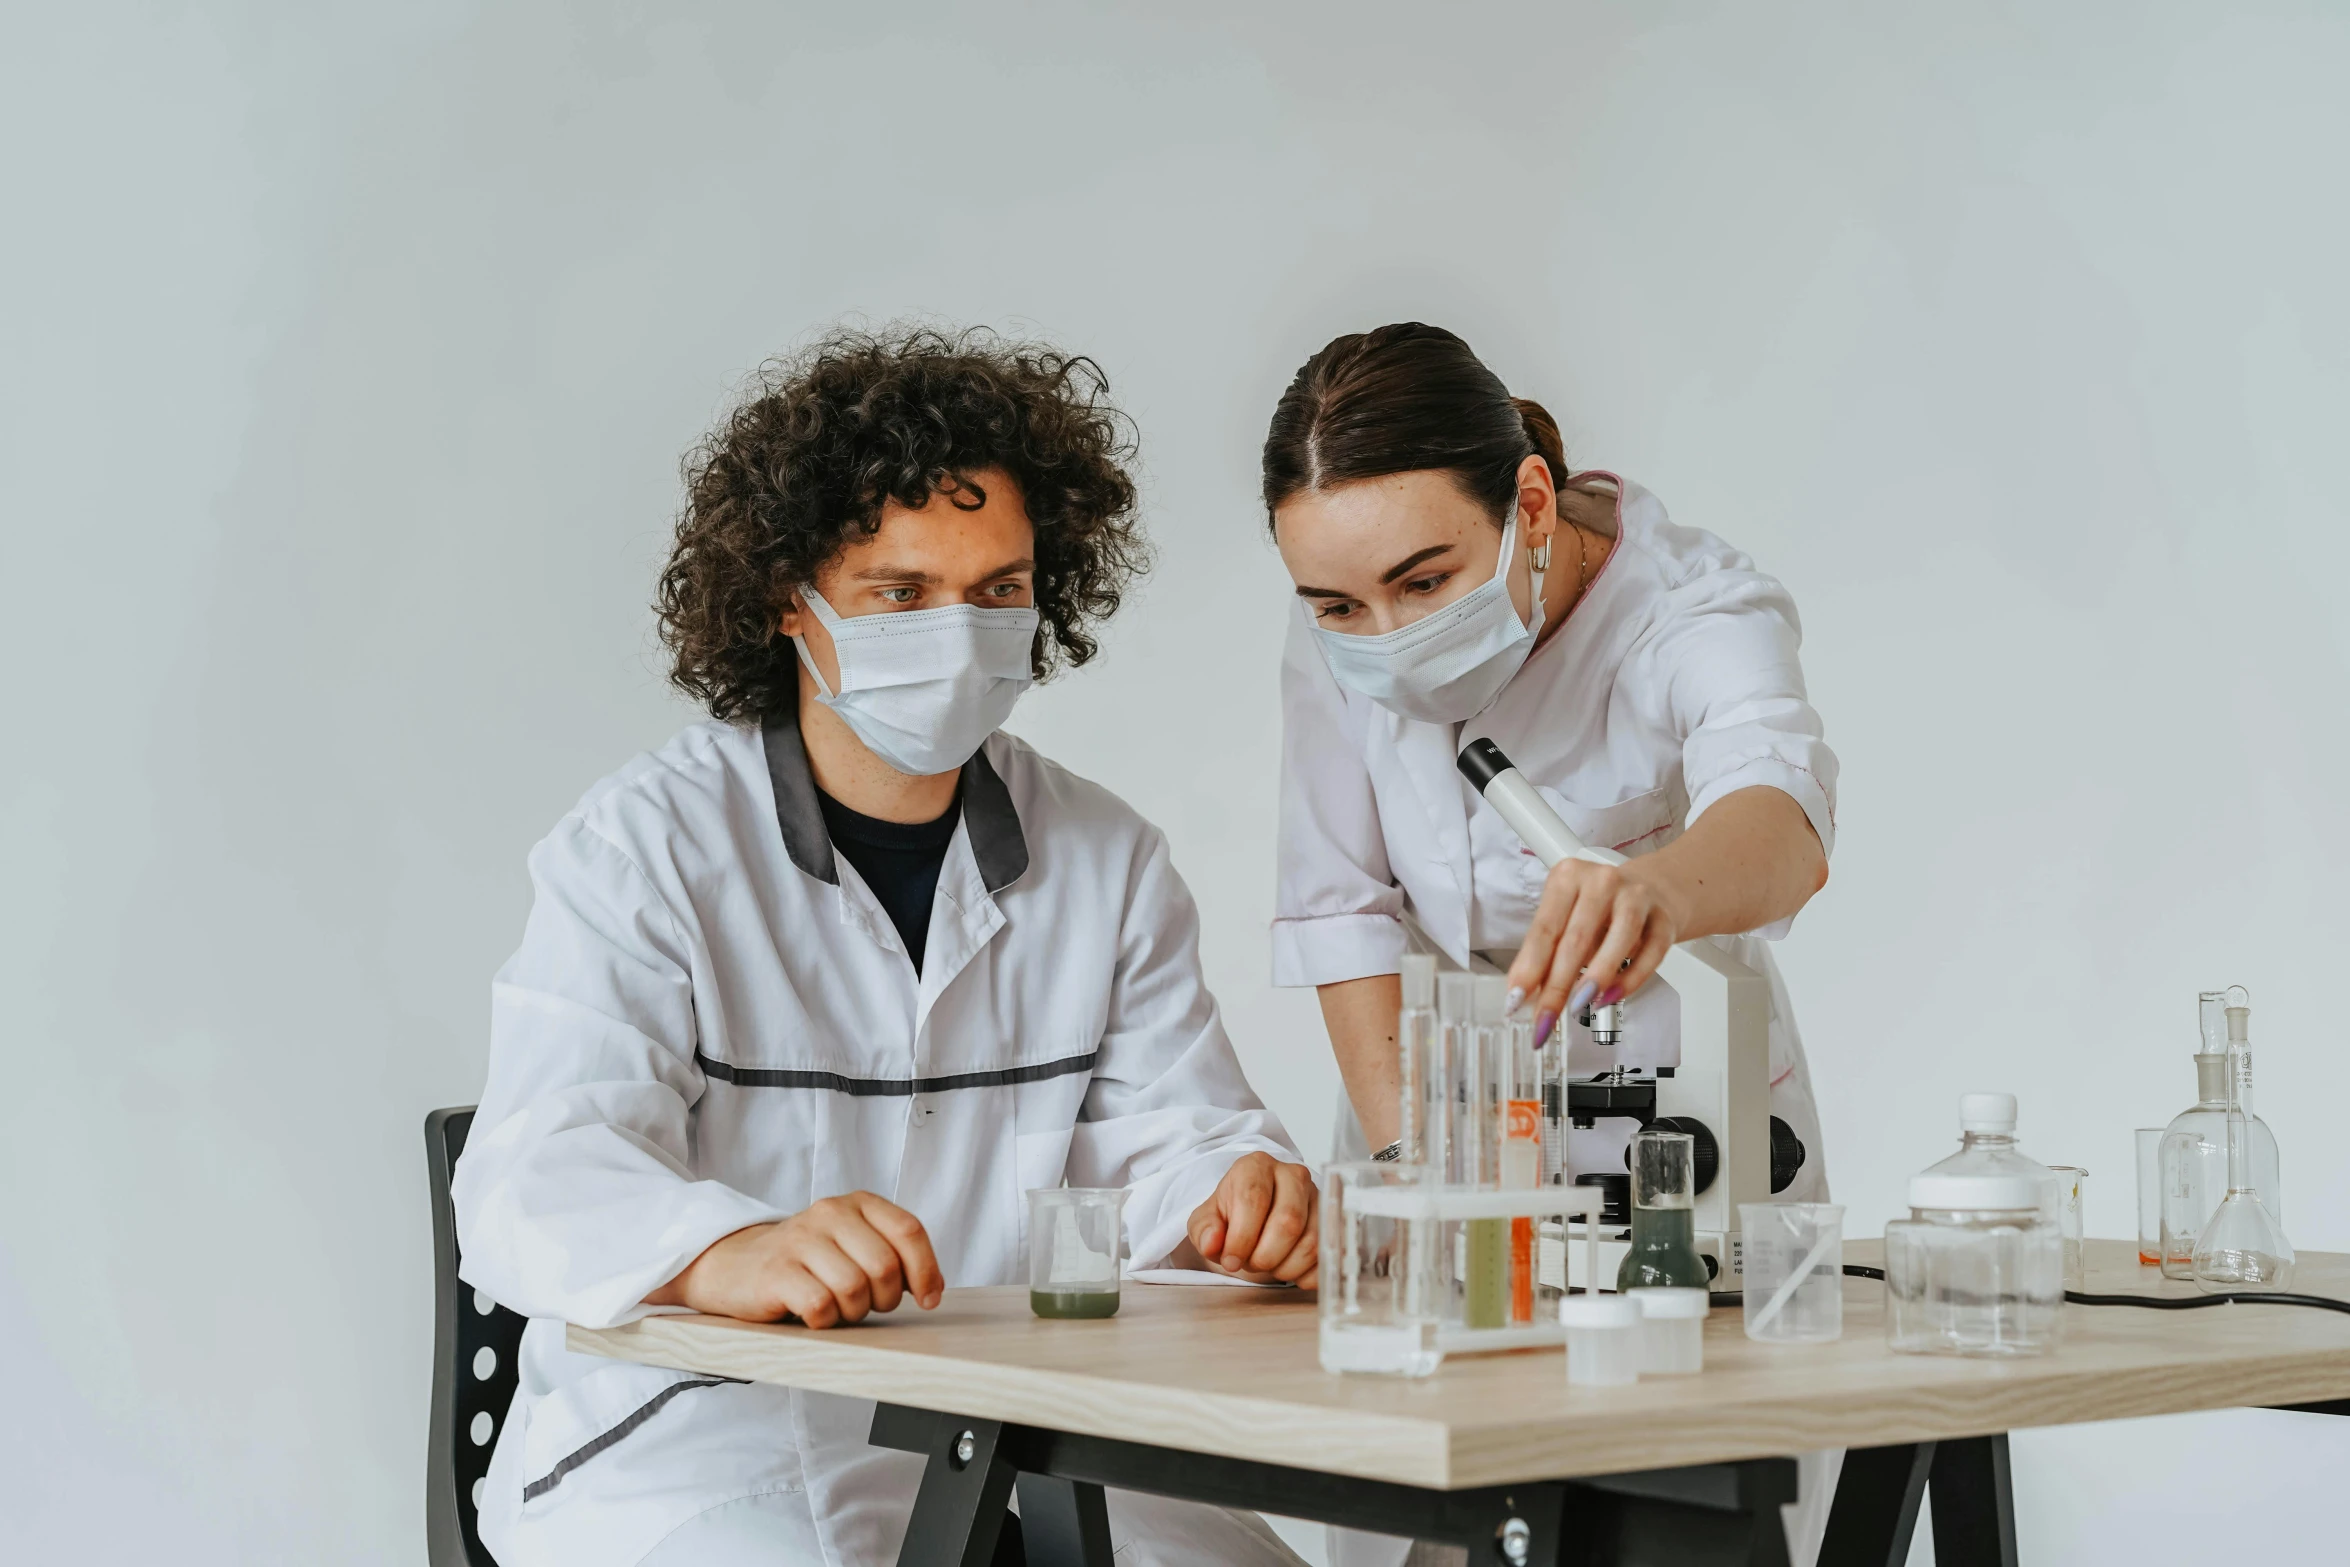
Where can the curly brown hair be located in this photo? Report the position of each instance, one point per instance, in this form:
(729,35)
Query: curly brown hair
(801,467)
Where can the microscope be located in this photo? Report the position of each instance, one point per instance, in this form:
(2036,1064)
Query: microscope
(1719,1094)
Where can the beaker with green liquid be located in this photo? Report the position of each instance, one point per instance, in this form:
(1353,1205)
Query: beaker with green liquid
(1074,1245)
(1664,1251)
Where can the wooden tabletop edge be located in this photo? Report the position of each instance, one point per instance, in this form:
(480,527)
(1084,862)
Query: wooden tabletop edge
(1406,1449)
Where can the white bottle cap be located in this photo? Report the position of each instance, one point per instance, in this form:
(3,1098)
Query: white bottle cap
(1672,1302)
(1986,1112)
(1976,1193)
(1419,979)
(1493,997)
(1598,1311)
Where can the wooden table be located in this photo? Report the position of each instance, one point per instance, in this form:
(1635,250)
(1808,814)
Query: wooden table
(1216,1394)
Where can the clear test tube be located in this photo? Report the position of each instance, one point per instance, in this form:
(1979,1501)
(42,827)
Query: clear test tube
(1553,1067)
(1451,1147)
(1419,1082)
(1486,1262)
(1521,1136)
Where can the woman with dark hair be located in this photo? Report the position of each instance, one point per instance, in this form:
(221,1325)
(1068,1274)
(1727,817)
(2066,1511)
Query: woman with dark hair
(1456,581)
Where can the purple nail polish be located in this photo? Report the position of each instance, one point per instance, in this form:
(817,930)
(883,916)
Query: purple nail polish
(1580,999)
(1610,996)
(1544,1022)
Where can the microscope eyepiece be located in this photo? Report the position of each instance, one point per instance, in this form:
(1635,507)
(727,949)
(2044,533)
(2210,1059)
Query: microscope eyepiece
(1481,761)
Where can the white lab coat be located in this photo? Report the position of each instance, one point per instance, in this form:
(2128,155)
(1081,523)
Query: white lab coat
(711,1023)
(1673,683)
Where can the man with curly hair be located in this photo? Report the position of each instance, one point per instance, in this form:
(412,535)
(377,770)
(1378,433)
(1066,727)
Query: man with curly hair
(812,995)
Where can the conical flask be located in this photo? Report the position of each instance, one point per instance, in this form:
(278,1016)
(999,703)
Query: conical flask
(2243,1247)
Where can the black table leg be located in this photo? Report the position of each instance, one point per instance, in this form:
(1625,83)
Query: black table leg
(1876,1508)
(1974,1503)
(1066,1523)
(960,1509)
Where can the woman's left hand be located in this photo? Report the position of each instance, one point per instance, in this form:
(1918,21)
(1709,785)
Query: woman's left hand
(1598,935)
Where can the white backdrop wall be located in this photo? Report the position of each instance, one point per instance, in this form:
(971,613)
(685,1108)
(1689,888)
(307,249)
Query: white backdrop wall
(350,351)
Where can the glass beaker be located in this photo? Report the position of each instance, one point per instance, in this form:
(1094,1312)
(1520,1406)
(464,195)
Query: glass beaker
(1664,1252)
(2149,1196)
(1794,1271)
(2072,1195)
(1074,1241)
(2194,1172)
(1382,1284)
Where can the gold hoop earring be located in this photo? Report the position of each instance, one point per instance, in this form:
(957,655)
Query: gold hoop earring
(1540,555)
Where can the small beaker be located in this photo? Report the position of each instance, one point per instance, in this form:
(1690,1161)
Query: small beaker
(2072,1195)
(1604,1339)
(2194,1173)
(1382,1285)
(1794,1271)
(1074,1241)
(2150,1196)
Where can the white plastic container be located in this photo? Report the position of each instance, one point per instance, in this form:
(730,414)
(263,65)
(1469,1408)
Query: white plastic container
(1604,1340)
(1976,1269)
(1672,1330)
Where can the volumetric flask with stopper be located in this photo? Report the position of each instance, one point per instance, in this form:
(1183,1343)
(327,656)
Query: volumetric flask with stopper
(1664,1252)
(2242,1246)
(1074,1239)
(1383,1285)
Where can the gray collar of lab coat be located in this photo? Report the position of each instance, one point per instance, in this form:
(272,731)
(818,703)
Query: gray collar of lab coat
(988,815)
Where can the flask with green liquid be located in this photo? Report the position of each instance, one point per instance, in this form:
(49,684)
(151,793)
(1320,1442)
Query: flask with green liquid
(1664,1252)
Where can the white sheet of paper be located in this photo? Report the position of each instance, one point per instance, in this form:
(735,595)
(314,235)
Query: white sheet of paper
(1192,1276)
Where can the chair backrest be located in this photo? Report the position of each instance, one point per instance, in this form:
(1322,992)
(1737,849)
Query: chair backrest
(475,1344)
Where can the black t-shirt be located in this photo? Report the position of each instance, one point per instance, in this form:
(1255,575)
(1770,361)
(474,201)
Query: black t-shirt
(899,861)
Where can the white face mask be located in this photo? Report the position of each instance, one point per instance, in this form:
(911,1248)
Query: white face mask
(924,688)
(1447,665)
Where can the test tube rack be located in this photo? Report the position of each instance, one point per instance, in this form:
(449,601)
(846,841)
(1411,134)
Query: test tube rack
(1448,1211)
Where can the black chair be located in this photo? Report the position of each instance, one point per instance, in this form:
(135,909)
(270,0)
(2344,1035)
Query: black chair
(475,1345)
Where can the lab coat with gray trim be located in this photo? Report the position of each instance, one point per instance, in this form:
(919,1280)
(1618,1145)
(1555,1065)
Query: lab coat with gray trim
(711,1023)
(1675,683)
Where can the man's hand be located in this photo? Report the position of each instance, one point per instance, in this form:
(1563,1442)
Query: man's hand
(827,1264)
(1262,1224)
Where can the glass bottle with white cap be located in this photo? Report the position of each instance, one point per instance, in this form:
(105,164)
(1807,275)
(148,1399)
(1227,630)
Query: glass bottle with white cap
(1978,1266)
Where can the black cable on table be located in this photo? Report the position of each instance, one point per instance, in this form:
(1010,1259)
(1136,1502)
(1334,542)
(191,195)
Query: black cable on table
(2149,1302)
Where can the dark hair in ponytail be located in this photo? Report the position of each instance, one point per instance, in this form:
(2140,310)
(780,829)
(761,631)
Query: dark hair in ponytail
(1403,399)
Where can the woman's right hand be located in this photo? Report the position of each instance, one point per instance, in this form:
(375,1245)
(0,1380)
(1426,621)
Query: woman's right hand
(1599,933)
(830,1263)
